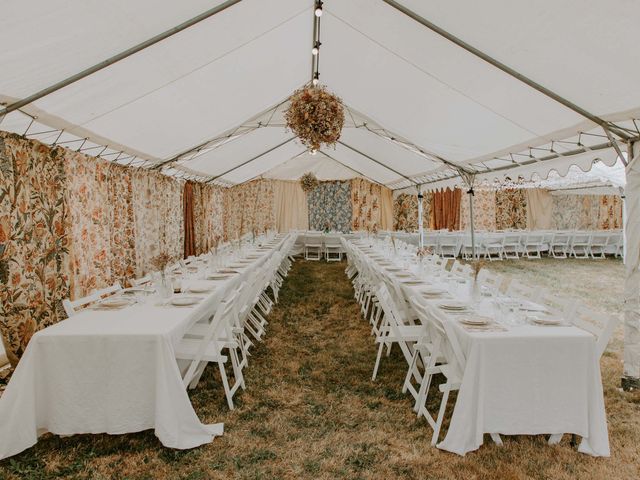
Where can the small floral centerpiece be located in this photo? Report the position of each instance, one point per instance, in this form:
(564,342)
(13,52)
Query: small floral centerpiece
(327,227)
(308,182)
(160,262)
(423,252)
(316,116)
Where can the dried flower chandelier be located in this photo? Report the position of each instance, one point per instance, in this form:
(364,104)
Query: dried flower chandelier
(315,115)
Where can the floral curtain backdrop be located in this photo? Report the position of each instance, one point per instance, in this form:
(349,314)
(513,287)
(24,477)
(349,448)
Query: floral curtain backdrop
(610,212)
(405,212)
(248,207)
(330,206)
(35,266)
(484,210)
(209,218)
(586,212)
(158,218)
(511,209)
(366,200)
(99,198)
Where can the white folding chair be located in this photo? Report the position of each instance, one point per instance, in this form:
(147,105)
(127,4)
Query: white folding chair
(332,249)
(72,306)
(393,331)
(599,242)
(533,245)
(209,349)
(580,246)
(489,282)
(559,245)
(313,247)
(511,245)
(493,245)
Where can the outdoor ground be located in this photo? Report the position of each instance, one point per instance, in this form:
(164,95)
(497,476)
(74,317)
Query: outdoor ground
(311,411)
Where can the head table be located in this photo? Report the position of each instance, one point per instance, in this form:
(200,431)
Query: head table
(113,371)
(519,378)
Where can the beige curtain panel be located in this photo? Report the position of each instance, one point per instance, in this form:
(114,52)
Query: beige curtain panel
(290,206)
(386,209)
(540,203)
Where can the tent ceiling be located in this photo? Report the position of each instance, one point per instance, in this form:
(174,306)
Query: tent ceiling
(420,96)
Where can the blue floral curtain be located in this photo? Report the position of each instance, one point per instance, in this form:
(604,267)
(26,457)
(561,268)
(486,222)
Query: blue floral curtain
(330,206)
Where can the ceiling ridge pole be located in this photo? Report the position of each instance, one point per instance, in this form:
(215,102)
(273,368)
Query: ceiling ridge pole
(366,177)
(116,58)
(506,69)
(378,162)
(252,159)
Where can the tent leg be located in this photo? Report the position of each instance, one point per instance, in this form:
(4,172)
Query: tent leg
(631,374)
(420,221)
(473,235)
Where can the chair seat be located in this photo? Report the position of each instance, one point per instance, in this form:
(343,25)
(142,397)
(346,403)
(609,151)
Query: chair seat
(188,348)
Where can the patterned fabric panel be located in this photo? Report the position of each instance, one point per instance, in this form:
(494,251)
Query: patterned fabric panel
(35,265)
(405,212)
(511,209)
(365,205)
(330,206)
(484,210)
(247,208)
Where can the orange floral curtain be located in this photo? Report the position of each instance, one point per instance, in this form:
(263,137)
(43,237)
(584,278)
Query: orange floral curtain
(445,209)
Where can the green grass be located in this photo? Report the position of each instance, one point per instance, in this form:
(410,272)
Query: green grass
(311,410)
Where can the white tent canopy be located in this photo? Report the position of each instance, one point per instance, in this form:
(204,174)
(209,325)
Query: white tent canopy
(208,80)
(433,89)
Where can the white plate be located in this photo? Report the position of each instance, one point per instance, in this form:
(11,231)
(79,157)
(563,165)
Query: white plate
(453,305)
(114,302)
(476,320)
(184,301)
(546,321)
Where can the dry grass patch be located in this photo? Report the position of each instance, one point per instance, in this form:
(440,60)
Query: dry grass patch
(311,411)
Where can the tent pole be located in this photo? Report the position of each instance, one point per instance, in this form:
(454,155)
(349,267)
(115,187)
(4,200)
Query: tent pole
(473,235)
(116,58)
(420,221)
(631,374)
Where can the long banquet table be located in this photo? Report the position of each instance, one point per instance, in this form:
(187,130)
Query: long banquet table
(112,371)
(519,378)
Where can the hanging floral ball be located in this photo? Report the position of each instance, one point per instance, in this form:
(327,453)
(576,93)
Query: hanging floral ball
(316,116)
(308,182)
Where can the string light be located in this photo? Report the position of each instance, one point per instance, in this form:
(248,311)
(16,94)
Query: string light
(316,79)
(318,11)
(316,49)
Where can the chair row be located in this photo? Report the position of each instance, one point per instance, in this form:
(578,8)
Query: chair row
(225,334)
(528,244)
(424,334)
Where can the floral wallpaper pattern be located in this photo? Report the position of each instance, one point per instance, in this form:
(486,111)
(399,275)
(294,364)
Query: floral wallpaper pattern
(484,210)
(330,206)
(511,209)
(610,212)
(158,218)
(208,206)
(365,205)
(586,212)
(34,241)
(99,198)
(247,207)
(405,212)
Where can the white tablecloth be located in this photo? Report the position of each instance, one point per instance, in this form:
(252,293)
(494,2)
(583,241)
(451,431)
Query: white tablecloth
(108,372)
(526,380)
(529,380)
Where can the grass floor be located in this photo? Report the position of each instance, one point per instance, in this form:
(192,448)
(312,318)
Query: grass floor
(311,411)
